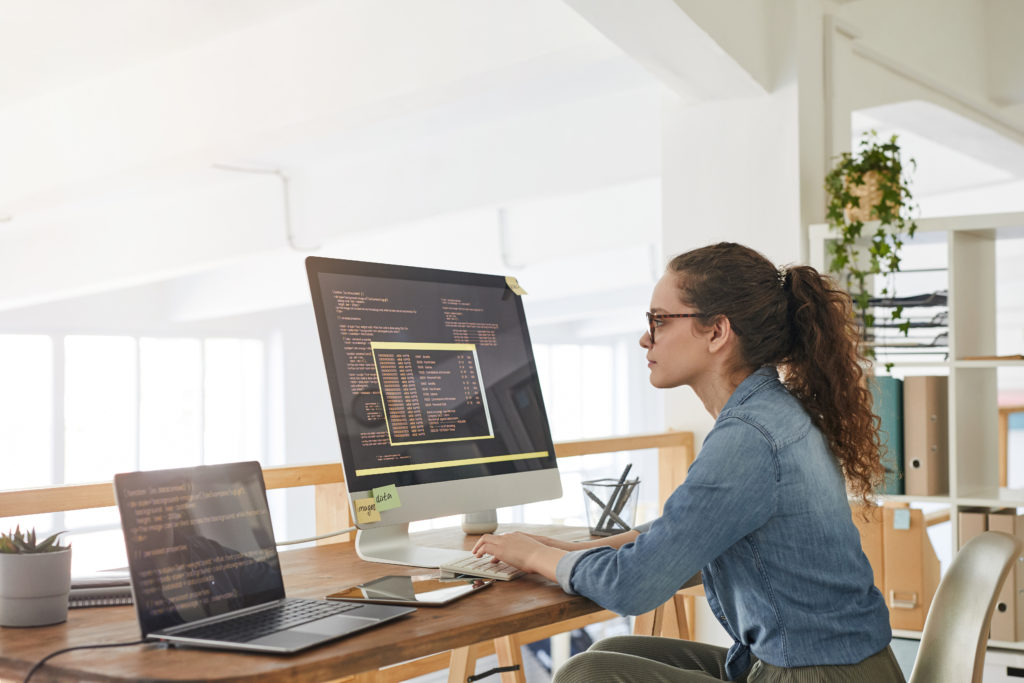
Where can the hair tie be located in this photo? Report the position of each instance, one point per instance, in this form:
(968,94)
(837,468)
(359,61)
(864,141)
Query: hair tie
(782,274)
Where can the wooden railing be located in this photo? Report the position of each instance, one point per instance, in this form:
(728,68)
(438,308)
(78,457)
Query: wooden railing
(675,454)
(675,618)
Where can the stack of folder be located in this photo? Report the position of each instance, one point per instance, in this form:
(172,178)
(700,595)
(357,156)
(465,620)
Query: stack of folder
(914,429)
(1008,617)
(906,568)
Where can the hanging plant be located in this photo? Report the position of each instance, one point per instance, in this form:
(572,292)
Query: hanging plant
(869,185)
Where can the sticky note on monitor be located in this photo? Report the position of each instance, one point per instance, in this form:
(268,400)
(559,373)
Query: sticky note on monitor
(514,285)
(386,497)
(366,511)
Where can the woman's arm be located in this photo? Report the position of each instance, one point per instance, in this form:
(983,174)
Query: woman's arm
(616,541)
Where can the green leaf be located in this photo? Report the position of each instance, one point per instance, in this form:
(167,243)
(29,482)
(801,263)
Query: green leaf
(894,213)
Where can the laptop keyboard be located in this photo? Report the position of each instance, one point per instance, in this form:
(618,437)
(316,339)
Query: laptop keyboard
(253,625)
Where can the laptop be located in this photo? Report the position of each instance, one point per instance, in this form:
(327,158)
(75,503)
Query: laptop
(204,567)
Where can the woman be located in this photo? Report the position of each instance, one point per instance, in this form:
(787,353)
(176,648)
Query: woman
(764,512)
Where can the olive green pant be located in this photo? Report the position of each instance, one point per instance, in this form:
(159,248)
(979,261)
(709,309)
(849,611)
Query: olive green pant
(626,659)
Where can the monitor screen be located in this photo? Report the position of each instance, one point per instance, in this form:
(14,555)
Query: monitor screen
(435,390)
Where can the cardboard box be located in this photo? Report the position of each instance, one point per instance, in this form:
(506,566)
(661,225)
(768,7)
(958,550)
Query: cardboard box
(869,523)
(926,435)
(911,573)
(971,522)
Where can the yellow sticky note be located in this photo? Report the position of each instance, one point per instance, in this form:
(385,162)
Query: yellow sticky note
(366,511)
(513,284)
(386,497)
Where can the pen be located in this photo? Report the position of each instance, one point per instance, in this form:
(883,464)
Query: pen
(625,527)
(614,497)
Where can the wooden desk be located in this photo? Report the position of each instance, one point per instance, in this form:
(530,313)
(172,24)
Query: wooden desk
(504,609)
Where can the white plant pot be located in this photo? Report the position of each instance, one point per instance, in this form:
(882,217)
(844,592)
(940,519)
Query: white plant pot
(34,588)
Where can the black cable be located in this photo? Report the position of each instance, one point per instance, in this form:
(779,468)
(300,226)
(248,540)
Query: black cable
(38,665)
(491,672)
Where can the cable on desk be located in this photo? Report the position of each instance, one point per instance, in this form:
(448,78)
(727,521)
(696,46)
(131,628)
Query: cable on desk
(491,672)
(317,538)
(38,665)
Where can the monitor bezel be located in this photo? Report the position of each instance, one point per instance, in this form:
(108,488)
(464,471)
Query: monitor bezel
(458,495)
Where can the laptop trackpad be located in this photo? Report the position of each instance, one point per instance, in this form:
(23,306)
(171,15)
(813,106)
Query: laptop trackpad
(313,633)
(334,626)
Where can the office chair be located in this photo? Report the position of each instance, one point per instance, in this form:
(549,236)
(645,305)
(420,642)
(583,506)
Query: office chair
(956,629)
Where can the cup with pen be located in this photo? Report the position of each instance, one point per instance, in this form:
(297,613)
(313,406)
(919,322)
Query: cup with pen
(611,504)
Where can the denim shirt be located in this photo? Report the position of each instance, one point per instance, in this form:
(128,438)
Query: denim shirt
(763,513)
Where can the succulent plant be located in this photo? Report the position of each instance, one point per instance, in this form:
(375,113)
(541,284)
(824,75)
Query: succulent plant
(18,542)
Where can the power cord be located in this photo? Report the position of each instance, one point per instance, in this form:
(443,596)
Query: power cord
(317,538)
(38,665)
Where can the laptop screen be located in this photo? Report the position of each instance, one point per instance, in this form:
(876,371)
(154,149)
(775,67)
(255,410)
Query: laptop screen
(199,542)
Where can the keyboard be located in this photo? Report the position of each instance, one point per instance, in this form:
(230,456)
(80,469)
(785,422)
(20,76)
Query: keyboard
(483,567)
(253,625)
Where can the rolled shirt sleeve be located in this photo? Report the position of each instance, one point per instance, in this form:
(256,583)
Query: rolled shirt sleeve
(729,492)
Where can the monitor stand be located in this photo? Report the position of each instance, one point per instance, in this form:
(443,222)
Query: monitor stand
(392,545)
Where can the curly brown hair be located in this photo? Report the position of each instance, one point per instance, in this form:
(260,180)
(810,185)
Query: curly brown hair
(801,322)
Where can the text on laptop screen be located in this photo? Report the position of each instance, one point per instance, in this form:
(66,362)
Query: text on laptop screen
(199,542)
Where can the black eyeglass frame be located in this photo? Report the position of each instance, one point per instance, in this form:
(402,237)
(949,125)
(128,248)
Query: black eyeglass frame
(658,317)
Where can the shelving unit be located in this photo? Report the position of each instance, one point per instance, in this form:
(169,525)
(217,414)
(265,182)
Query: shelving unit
(971,244)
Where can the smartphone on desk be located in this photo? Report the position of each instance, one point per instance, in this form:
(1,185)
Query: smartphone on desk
(424,591)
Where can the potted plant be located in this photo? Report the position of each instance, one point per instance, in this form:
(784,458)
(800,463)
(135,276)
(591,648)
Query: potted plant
(35,579)
(869,184)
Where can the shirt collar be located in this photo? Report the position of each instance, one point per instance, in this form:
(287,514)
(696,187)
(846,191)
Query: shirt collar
(757,379)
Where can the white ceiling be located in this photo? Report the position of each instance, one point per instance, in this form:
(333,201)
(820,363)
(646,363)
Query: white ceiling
(47,45)
(527,96)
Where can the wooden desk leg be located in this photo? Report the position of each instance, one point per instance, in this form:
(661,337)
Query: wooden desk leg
(685,616)
(463,663)
(507,648)
(650,623)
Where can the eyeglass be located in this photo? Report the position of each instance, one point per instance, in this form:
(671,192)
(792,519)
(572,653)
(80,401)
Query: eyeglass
(653,318)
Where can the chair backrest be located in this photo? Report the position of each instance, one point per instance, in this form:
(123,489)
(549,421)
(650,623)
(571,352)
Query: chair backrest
(956,630)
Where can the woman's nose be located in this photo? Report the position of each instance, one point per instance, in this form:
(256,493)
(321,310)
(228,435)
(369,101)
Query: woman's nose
(645,340)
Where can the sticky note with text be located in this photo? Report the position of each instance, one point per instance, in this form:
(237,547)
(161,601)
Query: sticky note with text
(386,497)
(514,285)
(366,510)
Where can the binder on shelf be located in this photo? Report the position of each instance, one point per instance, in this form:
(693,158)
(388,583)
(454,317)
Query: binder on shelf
(971,522)
(911,573)
(887,402)
(926,435)
(1008,616)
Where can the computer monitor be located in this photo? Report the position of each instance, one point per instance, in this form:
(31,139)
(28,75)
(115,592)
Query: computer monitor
(435,393)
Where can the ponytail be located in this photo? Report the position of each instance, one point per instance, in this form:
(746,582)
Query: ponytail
(801,322)
(825,371)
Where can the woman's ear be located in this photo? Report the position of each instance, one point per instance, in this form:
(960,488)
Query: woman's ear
(721,335)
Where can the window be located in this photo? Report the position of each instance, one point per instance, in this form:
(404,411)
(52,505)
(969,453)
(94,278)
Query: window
(26,417)
(170,403)
(82,408)
(100,407)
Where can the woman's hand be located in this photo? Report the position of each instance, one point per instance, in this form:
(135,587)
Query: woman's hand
(524,551)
